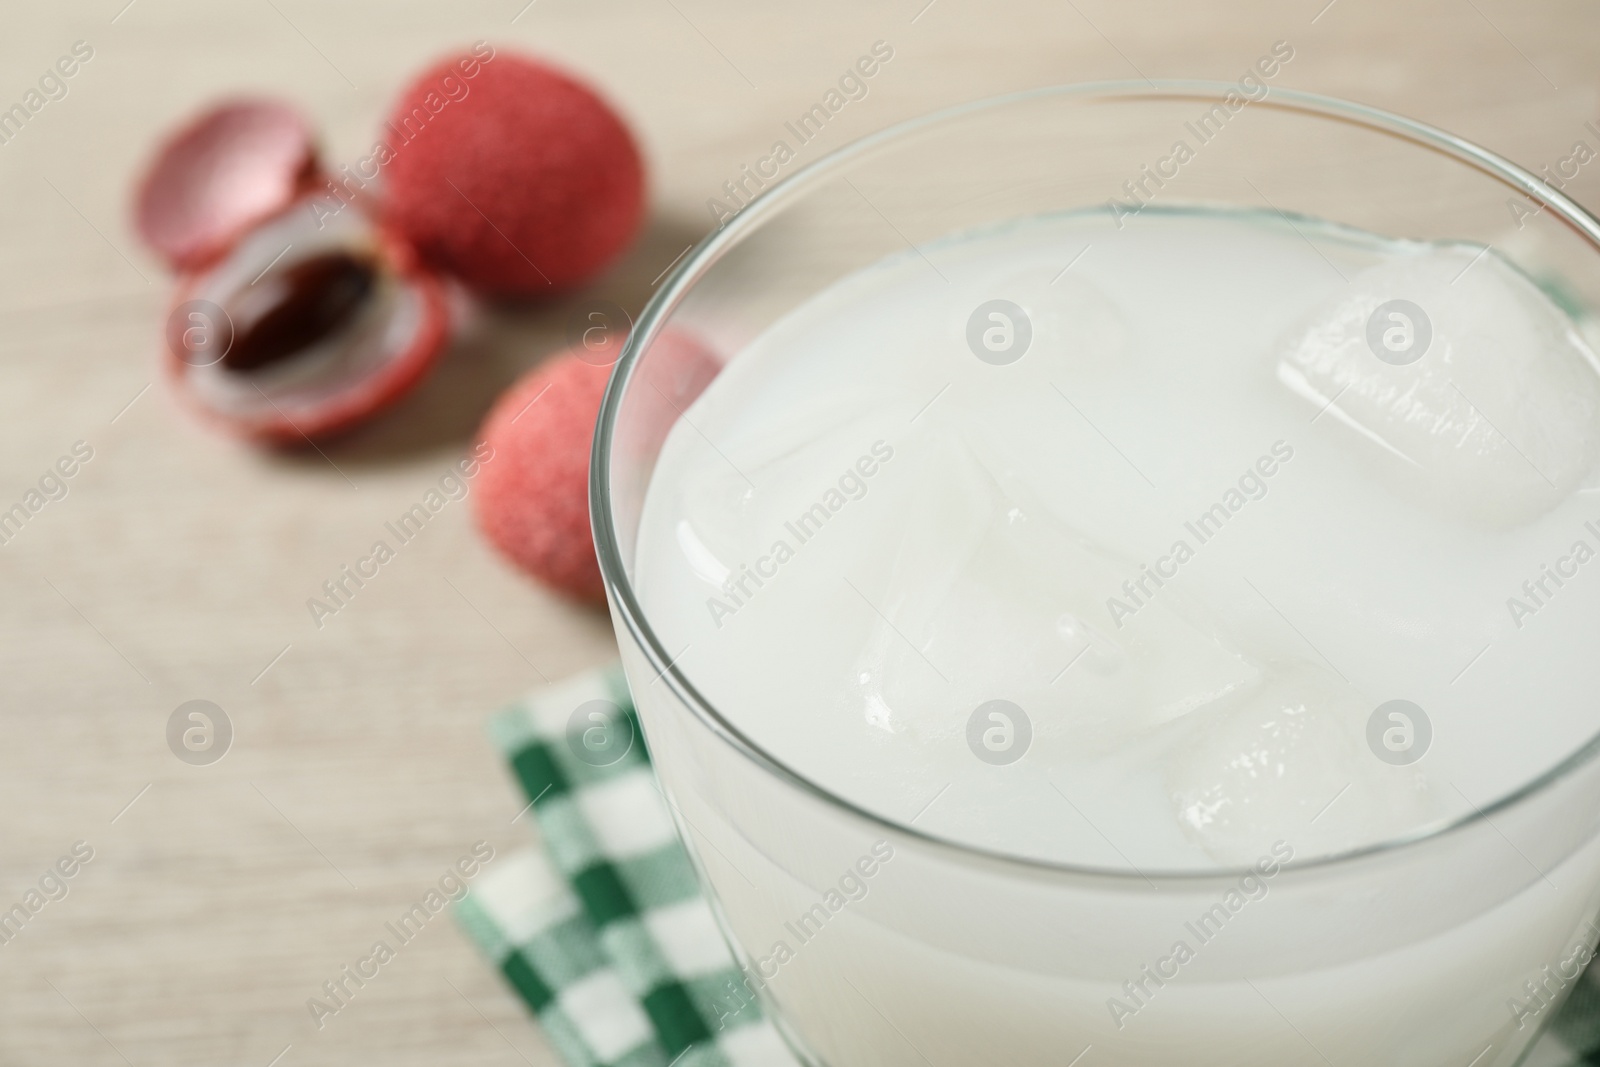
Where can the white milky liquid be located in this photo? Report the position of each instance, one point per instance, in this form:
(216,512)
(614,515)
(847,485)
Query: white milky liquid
(969,528)
(1195,536)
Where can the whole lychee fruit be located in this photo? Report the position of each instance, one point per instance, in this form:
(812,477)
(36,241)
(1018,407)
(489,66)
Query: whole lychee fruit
(532,495)
(517,178)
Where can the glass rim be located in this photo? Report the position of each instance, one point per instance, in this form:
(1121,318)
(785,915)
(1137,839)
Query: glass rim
(683,277)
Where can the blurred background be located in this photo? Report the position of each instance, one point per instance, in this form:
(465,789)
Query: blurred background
(177,568)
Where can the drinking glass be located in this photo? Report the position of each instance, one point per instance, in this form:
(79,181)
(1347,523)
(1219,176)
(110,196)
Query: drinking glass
(1451,947)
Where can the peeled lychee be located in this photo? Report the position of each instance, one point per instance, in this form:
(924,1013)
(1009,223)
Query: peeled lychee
(305,327)
(533,496)
(517,179)
(290,321)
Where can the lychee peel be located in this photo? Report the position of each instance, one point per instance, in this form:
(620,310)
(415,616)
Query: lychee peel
(219,175)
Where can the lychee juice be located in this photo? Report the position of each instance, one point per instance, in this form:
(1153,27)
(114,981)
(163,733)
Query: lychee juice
(1199,552)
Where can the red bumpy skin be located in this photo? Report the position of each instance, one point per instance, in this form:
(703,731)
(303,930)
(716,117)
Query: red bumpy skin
(517,179)
(533,495)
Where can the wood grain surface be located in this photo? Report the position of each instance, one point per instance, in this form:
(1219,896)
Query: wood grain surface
(178,565)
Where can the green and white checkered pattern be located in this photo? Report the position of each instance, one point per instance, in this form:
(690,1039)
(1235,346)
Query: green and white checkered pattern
(604,932)
(1574,1036)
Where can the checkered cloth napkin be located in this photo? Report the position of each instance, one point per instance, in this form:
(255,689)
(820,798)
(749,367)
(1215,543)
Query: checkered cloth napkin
(1574,1035)
(604,933)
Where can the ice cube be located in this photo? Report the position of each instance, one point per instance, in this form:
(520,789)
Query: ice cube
(1458,378)
(1290,762)
(988,594)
